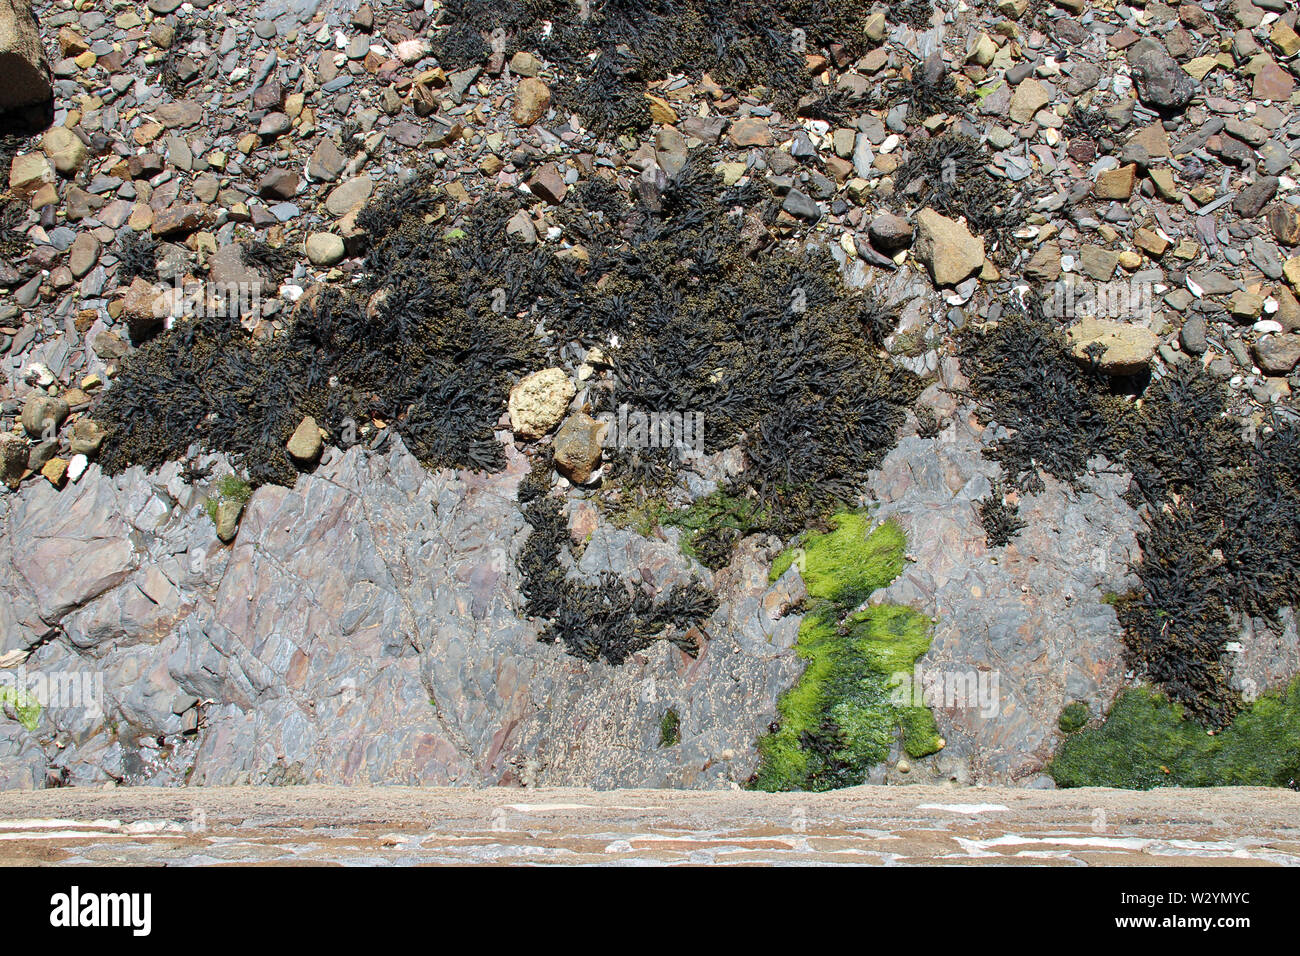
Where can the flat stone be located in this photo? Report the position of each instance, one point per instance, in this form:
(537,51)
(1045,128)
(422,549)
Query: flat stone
(1125,348)
(947,248)
(349,195)
(750,131)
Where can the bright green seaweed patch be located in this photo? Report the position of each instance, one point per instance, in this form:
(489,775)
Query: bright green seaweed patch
(844,713)
(1146,741)
(847,563)
(25,707)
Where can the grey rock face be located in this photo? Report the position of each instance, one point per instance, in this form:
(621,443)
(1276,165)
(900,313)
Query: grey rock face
(362,629)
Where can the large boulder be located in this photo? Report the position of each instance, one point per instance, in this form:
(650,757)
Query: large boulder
(26,97)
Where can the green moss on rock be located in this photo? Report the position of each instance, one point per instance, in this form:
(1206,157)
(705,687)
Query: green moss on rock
(670,729)
(844,714)
(227,488)
(1146,741)
(1073,717)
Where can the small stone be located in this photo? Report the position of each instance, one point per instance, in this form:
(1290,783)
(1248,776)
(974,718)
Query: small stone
(1193,336)
(947,248)
(750,131)
(1278,354)
(1245,306)
(1116,183)
(577,448)
(305,444)
(327,161)
(55,471)
(27,173)
(1150,242)
(1030,97)
(1285,39)
(65,150)
(532,100)
(278,184)
(13,459)
(890,232)
(349,195)
(548,183)
(325,249)
(229,511)
(1251,201)
(539,402)
(661,111)
(43,415)
(1284,222)
(524,63)
(521,227)
(86,438)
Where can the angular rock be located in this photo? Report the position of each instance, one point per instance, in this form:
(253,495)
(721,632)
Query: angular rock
(577,447)
(947,248)
(1251,201)
(532,100)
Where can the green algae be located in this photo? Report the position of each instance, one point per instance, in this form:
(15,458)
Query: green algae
(1073,717)
(26,708)
(1148,741)
(670,728)
(844,714)
(713,524)
(227,488)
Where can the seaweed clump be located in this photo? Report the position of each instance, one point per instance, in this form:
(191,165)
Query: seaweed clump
(845,713)
(913,13)
(1223,515)
(611,50)
(606,620)
(137,255)
(1001,522)
(774,353)
(1148,741)
(1057,414)
(411,350)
